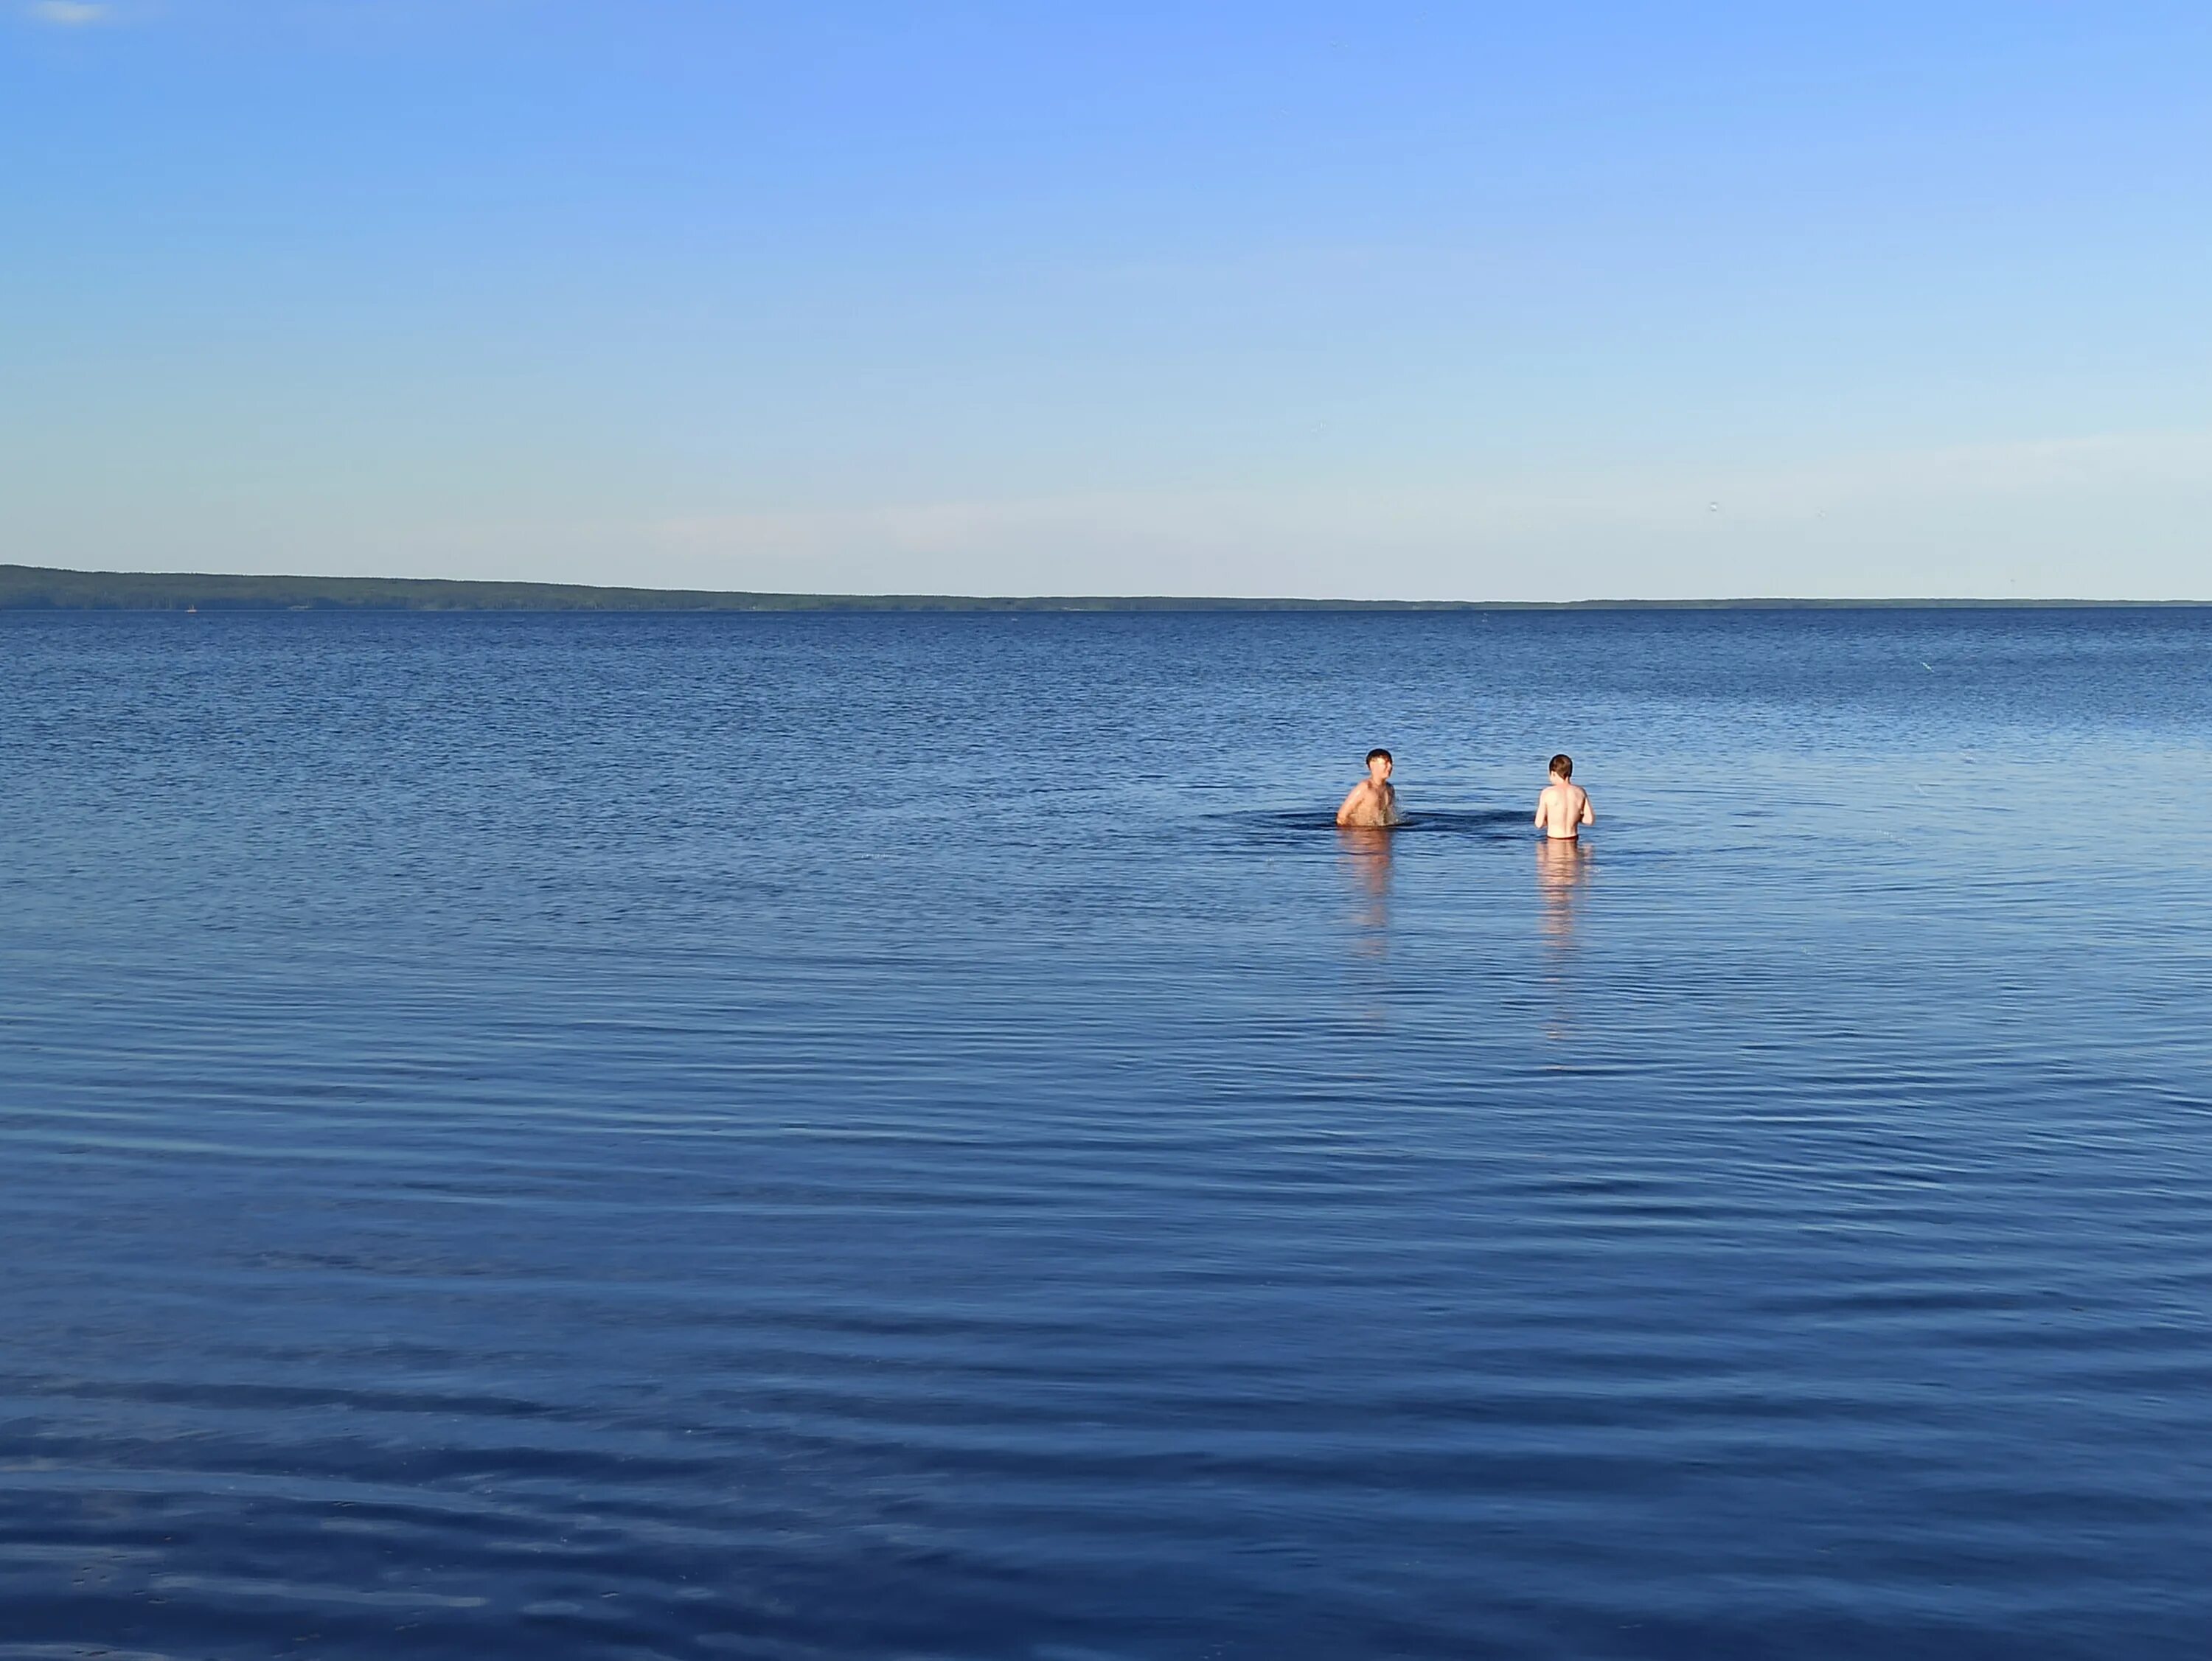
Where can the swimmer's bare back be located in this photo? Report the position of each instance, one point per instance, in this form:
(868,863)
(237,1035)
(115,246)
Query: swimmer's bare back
(1563,809)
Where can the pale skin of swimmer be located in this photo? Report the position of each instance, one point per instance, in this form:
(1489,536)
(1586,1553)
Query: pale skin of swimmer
(1372,801)
(1564,808)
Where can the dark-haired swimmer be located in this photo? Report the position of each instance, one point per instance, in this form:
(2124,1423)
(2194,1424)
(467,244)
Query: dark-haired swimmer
(1372,801)
(1564,806)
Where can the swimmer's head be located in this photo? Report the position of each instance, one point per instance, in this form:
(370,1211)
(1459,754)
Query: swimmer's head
(1563,766)
(1378,764)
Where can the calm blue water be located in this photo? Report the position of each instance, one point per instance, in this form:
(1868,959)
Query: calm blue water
(823,1137)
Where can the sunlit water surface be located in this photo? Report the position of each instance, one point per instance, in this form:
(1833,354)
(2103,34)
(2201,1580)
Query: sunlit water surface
(820,1136)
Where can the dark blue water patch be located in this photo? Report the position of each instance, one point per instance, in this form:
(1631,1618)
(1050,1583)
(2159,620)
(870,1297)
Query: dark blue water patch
(1479,824)
(826,1137)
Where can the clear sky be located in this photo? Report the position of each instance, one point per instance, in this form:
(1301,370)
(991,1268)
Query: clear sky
(1251,297)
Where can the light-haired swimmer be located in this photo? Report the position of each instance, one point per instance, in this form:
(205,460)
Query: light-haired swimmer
(1564,807)
(1372,801)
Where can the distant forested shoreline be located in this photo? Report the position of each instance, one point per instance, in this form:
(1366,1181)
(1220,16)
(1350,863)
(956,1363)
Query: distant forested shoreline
(24,588)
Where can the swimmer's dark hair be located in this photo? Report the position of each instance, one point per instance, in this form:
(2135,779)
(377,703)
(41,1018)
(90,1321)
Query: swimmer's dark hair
(1384,753)
(1563,766)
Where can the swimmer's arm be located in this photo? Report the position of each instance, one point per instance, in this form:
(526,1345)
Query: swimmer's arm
(1543,808)
(1358,793)
(1589,816)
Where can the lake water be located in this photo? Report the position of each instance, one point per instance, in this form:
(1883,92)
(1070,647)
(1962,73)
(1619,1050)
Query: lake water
(822,1137)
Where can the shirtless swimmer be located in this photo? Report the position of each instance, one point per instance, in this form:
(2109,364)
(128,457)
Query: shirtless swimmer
(1564,806)
(1372,801)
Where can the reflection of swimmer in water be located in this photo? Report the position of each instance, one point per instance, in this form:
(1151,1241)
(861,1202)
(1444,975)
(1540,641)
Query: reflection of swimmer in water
(1372,801)
(1369,849)
(1561,867)
(1564,806)
(1367,859)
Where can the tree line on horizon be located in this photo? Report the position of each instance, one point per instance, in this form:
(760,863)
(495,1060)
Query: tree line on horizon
(47,588)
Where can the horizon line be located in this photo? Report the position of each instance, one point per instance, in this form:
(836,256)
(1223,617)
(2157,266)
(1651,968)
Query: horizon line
(26,587)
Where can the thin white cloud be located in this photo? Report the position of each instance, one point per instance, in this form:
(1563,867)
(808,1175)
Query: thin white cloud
(72,14)
(2110,516)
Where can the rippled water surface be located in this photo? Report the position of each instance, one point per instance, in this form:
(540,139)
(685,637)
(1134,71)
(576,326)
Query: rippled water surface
(817,1136)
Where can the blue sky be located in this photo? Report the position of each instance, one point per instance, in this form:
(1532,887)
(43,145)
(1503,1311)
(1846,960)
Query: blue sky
(1472,300)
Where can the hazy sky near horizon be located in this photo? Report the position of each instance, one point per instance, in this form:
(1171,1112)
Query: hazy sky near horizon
(1480,301)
